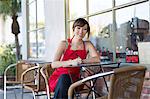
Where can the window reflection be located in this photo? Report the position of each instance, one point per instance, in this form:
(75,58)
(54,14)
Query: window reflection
(41,43)
(75,7)
(120,2)
(142,11)
(98,5)
(30,1)
(132,26)
(101,25)
(32,44)
(32,16)
(37,43)
(40,14)
(36,28)
(101,29)
(131,18)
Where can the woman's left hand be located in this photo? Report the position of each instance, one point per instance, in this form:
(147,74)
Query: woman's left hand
(76,62)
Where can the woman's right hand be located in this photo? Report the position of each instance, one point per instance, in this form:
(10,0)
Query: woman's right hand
(73,63)
(76,62)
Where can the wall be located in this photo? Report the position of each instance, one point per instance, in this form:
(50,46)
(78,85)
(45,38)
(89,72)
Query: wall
(54,26)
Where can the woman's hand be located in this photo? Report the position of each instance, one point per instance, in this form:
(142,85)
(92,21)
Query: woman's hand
(76,62)
(68,63)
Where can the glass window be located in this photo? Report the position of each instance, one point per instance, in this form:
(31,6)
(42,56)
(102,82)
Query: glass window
(75,7)
(101,29)
(36,28)
(120,2)
(100,25)
(132,26)
(31,1)
(41,42)
(113,28)
(32,44)
(98,5)
(142,11)
(32,15)
(40,13)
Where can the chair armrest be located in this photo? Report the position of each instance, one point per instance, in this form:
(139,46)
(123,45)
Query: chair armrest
(45,79)
(96,76)
(5,72)
(8,67)
(26,71)
(88,71)
(43,74)
(80,82)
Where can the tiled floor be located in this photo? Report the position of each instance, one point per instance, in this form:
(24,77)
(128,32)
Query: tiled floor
(11,95)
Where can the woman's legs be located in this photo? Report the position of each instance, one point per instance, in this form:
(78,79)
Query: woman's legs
(61,90)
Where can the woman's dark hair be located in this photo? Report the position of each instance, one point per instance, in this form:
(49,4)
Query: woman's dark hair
(81,22)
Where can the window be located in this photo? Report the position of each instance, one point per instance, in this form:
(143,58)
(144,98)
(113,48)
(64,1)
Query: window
(75,7)
(112,23)
(100,25)
(36,28)
(120,2)
(125,22)
(99,5)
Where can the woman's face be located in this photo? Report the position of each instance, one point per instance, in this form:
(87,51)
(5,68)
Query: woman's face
(80,32)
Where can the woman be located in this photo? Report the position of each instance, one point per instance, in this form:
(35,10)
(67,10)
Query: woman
(69,54)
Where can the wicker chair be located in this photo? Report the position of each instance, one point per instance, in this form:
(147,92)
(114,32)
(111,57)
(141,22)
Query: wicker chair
(37,88)
(125,83)
(46,71)
(20,67)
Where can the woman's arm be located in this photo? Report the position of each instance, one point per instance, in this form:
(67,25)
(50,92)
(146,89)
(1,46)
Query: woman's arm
(59,53)
(93,55)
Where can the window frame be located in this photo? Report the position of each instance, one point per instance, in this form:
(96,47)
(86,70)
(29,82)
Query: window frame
(113,9)
(36,29)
